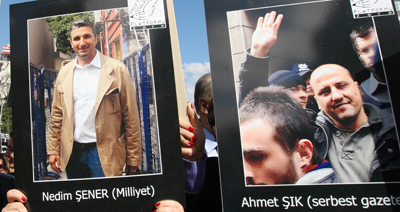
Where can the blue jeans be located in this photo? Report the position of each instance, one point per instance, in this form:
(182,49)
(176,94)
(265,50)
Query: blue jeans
(84,162)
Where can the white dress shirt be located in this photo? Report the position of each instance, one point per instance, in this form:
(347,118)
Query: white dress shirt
(86,80)
(211,144)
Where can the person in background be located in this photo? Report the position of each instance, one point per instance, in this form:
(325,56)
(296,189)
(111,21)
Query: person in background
(6,180)
(10,153)
(303,70)
(202,175)
(365,44)
(292,82)
(204,104)
(3,164)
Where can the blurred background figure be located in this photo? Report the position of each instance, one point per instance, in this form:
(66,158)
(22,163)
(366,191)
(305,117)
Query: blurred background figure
(3,164)
(303,70)
(292,82)
(10,154)
(365,44)
(204,104)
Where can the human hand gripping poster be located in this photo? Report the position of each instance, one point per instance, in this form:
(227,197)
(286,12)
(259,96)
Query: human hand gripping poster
(305,90)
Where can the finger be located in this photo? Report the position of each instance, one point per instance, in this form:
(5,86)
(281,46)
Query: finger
(184,124)
(260,22)
(187,152)
(15,195)
(266,18)
(58,162)
(169,205)
(53,166)
(278,22)
(192,117)
(14,207)
(271,19)
(198,133)
(187,138)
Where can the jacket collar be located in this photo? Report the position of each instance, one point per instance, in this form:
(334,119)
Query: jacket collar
(105,80)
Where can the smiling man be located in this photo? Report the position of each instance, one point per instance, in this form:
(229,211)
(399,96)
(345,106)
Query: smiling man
(277,141)
(361,140)
(94,126)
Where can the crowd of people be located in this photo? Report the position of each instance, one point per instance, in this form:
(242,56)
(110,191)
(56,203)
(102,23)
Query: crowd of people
(298,126)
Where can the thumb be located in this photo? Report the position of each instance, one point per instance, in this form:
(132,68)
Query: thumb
(15,195)
(58,162)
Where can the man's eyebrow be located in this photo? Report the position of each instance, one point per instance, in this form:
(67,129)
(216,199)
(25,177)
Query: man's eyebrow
(252,151)
(320,91)
(341,82)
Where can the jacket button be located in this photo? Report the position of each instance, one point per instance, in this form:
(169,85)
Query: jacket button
(390,150)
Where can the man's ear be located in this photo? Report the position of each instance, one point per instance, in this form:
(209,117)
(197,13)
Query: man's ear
(305,150)
(203,103)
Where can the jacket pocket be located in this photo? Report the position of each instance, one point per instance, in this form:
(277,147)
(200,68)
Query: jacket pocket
(112,102)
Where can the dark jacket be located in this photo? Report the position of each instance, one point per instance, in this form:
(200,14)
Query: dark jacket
(253,74)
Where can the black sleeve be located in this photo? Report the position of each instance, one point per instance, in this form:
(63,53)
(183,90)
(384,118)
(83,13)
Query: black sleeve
(253,74)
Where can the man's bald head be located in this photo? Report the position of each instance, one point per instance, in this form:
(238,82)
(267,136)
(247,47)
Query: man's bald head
(329,67)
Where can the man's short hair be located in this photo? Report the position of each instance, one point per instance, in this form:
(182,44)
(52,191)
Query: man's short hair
(203,89)
(362,28)
(291,122)
(81,23)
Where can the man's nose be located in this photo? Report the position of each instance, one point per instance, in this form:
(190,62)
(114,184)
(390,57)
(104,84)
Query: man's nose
(82,42)
(302,94)
(248,171)
(336,95)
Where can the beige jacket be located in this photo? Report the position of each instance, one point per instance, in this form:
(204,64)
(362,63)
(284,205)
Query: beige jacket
(116,118)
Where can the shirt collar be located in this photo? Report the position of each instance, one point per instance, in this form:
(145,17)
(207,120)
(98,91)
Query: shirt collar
(374,83)
(96,62)
(210,144)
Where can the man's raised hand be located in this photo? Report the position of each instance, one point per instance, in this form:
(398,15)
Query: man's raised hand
(266,34)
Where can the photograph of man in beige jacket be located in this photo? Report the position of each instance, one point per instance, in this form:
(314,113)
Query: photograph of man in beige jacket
(94,126)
